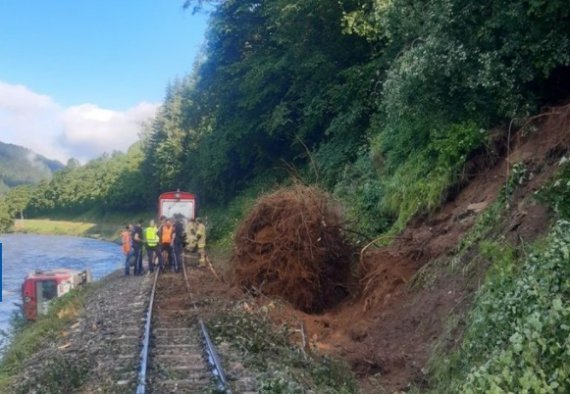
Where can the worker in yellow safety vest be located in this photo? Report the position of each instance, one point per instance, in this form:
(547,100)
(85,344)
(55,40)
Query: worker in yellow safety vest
(191,236)
(201,239)
(151,240)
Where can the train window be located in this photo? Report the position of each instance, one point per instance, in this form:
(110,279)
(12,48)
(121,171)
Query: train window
(49,289)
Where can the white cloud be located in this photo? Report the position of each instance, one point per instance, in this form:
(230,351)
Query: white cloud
(83,131)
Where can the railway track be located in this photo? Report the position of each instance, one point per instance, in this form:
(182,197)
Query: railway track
(177,355)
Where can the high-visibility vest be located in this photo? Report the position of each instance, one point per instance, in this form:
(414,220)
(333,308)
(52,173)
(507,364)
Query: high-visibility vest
(167,234)
(151,236)
(126,238)
(201,235)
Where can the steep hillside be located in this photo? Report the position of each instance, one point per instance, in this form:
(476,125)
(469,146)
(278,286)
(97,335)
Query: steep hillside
(459,295)
(21,166)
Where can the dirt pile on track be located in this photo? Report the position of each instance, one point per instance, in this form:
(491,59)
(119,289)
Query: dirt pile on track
(292,246)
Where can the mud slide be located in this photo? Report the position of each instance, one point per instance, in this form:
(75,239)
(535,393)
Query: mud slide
(388,332)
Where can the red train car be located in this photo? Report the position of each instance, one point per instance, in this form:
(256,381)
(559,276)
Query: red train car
(40,287)
(172,203)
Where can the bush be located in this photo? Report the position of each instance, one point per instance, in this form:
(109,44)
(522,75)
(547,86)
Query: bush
(420,184)
(517,337)
(360,189)
(557,192)
(5,219)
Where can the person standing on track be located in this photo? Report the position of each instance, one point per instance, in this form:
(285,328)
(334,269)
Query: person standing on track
(166,234)
(201,237)
(127,246)
(137,247)
(179,242)
(151,241)
(191,236)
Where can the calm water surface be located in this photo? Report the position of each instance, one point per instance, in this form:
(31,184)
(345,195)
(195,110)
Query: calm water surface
(25,253)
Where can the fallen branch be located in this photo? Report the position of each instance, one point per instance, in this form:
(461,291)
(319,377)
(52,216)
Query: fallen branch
(214,271)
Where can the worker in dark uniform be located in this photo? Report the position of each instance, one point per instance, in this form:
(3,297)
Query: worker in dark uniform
(179,242)
(137,247)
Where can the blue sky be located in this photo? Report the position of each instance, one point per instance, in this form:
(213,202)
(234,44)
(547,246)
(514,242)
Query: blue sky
(95,65)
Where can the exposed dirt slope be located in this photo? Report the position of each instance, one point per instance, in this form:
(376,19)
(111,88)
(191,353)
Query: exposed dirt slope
(386,333)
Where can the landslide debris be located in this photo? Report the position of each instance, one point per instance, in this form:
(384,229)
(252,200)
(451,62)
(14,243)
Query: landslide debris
(291,246)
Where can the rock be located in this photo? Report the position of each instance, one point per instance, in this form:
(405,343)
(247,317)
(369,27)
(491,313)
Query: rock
(477,207)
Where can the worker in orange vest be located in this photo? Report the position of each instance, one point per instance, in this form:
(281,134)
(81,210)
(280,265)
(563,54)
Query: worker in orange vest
(166,235)
(127,241)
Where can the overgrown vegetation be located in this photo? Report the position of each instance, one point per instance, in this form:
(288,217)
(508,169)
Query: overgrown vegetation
(517,336)
(281,367)
(557,192)
(29,338)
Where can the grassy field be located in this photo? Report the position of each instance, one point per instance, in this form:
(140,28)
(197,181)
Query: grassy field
(106,231)
(106,227)
(48,226)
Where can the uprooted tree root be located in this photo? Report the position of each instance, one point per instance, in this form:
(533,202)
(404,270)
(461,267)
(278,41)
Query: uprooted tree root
(292,246)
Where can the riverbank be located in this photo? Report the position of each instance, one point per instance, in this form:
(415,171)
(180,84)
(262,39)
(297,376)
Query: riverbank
(103,227)
(62,227)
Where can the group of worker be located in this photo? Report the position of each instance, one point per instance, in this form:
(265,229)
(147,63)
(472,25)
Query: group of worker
(164,244)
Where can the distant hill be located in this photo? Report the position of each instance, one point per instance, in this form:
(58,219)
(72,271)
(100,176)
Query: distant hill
(20,166)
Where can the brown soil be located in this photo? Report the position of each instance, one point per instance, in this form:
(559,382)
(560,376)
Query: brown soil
(387,333)
(290,246)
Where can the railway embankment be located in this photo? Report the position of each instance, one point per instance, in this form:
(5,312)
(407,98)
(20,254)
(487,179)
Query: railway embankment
(91,341)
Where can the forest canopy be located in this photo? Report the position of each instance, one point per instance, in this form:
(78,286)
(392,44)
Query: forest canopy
(382,102)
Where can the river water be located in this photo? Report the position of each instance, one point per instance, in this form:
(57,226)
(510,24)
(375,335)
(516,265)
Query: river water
(25,253)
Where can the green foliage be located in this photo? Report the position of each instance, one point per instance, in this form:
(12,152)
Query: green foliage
(420,184)
(17,199)
(106,184)
(485,223)
(280,366)
(257,101)
(466,59)
(5,218)
(517,336)
(361,191)
(366,20)
(557,192)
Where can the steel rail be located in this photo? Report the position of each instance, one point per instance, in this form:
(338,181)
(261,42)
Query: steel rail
(213,357)
(141,386)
